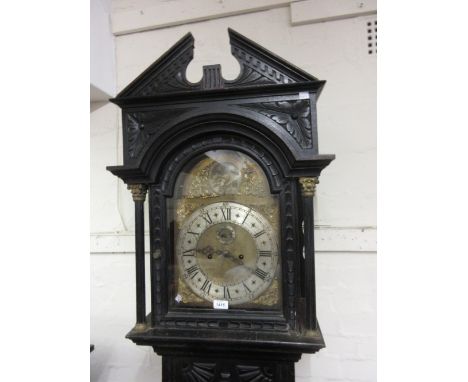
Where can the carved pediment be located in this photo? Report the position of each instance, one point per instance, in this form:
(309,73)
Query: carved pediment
(258,67)
(165,75)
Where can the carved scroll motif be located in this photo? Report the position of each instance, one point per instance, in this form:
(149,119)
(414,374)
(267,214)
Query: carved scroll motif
(142,125)
(293,116)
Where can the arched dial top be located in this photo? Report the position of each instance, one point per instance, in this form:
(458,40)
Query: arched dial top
(227,251)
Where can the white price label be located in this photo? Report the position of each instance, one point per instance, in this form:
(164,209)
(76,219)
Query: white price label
(220,304)
(303,95)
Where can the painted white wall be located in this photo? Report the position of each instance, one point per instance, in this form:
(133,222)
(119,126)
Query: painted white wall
(346,196)
(102,65)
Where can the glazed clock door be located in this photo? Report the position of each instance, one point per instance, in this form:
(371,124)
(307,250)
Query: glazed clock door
(226,241)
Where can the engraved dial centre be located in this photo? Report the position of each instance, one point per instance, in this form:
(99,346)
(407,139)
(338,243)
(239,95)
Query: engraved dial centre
(233,256)
(227,251)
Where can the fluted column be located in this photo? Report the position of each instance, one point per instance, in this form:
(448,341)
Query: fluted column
(308,185)
(139,196)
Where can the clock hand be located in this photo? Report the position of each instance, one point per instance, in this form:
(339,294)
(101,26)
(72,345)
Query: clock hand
(209,251)
(229,255)
(206,250)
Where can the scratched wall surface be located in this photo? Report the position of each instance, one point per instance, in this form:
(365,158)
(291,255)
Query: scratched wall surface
(335,51)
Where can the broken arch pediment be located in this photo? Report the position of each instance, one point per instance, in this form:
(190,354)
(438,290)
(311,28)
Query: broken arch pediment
(270,103)
(259,67)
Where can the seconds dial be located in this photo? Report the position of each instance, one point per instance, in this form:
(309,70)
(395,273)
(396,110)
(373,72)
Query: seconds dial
(227,251)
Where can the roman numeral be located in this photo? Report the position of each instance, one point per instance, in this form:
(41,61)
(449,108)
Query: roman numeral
(246,287)
(226,293)
(194,233)
(226,213)
(188,253)
(258,234)
(264,253)
(261,273)
(192,269)
(248,213)
(206,286)
(207,218)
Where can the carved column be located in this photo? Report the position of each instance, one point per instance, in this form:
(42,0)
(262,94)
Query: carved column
(139,196)
(308,186)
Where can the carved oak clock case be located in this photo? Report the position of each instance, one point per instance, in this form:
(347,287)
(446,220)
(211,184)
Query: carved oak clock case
(230,170)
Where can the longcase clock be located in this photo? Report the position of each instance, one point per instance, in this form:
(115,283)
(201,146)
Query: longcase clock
(230,170)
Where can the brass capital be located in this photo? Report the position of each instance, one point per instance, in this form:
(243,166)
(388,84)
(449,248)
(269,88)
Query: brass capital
(308,185)
(138,191)
(140,327)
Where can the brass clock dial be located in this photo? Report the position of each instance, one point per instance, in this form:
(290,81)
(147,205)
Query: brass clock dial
(226,234)
(227,251)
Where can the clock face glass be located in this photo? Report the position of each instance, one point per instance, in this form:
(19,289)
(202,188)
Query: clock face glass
(226,234)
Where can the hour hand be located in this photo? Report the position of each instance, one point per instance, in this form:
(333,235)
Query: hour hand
(206,250)
(209,251)
(235,259)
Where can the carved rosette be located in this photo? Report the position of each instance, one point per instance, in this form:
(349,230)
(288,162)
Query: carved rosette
(199,371)
(293,116)
(308,185)
(138,191)
(255,373)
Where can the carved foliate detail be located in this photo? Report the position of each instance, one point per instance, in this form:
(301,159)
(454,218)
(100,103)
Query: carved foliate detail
(308,185)
(293,116)
(255,373)
(142,125)
(199,372)
(136,135)
(169,79)
(255,71)
(248,77)
(165,75)
(138,191)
